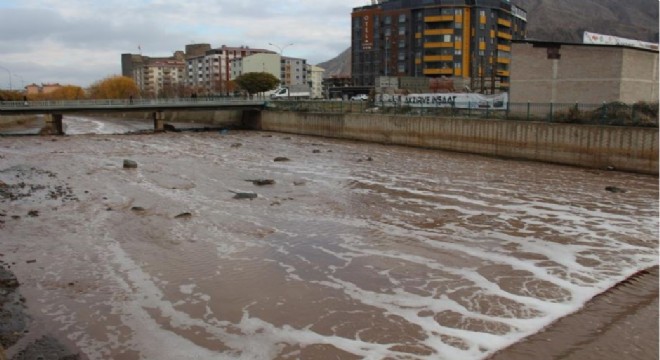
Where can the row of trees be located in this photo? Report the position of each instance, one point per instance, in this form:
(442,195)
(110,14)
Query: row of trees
(122,87)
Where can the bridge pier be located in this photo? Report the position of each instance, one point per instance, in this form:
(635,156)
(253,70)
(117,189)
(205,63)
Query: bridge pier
(53,125)
(159,121)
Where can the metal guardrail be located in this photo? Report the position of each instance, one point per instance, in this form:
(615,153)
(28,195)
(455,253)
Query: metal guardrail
(128,102)
(615,114)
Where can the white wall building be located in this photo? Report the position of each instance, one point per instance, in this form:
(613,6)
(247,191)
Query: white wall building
(268,63)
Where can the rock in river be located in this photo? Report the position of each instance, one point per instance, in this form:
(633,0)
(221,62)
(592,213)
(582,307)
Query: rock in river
(130,164)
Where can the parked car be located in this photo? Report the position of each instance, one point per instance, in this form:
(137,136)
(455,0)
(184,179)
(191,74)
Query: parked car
(360,97)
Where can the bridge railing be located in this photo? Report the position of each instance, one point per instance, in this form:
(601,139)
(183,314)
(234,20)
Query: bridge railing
(129,102)
(616,114)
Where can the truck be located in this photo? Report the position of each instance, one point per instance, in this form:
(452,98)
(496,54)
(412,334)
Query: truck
(292,92)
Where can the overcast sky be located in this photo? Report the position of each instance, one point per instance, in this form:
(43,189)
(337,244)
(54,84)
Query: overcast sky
(81,41)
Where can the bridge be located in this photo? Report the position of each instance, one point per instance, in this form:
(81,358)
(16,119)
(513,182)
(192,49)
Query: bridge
(55,110)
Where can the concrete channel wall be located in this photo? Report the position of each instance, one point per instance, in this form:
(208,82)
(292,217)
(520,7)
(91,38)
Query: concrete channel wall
(631,149)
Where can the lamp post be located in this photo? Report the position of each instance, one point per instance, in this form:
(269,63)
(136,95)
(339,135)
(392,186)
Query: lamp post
(8,72)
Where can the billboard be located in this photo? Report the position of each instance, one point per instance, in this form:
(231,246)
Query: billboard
(446,100)
(600,39)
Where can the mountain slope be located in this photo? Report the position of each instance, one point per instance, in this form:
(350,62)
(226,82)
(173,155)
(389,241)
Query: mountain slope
(565,21)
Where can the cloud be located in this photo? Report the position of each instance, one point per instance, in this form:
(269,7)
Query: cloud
(81,41)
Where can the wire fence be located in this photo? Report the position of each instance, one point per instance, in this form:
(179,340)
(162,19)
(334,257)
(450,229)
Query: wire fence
(615,114)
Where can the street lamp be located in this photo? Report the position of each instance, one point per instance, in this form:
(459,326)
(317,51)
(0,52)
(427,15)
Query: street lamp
(281,48)
(8,72)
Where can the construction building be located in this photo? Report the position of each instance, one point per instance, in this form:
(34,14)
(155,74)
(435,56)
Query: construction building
(468,41)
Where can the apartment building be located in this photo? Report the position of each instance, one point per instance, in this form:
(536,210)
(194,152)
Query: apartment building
(315,80)
(210,72)
(293,71)
(160,78)
(468,41)
(156,76)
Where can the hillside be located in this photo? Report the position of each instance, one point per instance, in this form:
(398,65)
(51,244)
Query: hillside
(565,21)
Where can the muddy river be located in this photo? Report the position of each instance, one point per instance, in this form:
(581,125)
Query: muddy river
(355,251)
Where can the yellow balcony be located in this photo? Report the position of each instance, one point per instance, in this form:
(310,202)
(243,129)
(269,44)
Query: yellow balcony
(418,35)
(438,71)
(506,48)
(432,58)
(503,60)
(433,45)
(439,32)
(439,18)
(504,35)
(504,22)
(504,85)
(482,45)
(503,73)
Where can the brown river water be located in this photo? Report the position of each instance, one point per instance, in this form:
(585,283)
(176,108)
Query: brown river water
(357,251)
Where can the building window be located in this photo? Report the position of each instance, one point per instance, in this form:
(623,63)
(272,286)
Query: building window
(388,20)
(458,25)
(402,43)
(402,18)
(446,38)
(402,31)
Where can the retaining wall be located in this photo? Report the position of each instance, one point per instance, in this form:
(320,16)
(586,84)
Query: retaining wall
(632,149)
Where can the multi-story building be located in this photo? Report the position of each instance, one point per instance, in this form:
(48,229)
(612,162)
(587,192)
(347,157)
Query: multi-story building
(468,41)
(211,72)
(293,71)
(160,78)
(315,80)
(156,76)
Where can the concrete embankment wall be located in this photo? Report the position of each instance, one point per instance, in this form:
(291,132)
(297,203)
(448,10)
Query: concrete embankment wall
(8,121)
(625,148)
(229,118)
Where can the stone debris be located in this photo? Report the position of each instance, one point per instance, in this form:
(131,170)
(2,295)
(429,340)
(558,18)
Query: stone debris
(614,189)
(262,182)
(281,158)
(244,195)
(185,215)
(130,164)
